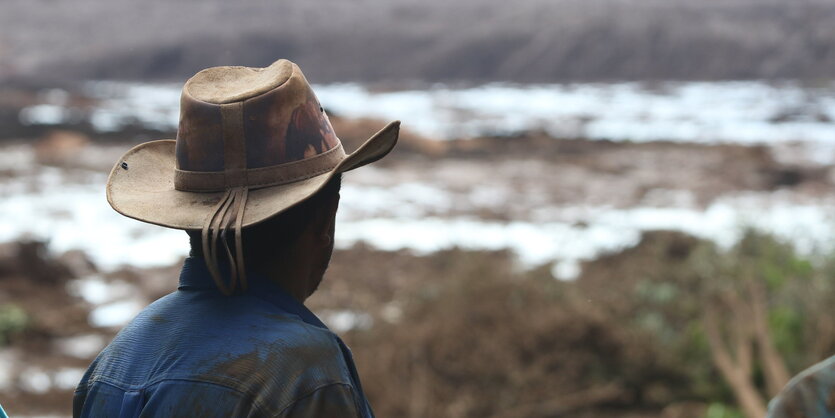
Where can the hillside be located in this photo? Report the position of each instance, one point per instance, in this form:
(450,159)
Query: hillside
(420,40)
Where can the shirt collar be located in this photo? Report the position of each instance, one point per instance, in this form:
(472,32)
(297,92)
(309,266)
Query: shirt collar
(195,275)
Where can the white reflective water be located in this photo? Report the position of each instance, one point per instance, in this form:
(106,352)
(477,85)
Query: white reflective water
(735,111)
(75,215)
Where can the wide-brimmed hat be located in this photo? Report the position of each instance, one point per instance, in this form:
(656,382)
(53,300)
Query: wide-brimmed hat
(251,143)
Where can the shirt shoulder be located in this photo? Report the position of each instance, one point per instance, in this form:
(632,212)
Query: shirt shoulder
(809,394)
(291,353)
(270,357)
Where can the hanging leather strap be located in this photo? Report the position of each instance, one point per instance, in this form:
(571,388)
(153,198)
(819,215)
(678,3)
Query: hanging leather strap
(228,214)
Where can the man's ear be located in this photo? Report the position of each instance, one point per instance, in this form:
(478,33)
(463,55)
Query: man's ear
(326,219)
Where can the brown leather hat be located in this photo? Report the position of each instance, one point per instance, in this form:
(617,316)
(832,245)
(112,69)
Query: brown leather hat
(252,142)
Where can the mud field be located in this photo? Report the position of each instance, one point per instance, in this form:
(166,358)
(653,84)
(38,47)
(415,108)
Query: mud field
(528,206)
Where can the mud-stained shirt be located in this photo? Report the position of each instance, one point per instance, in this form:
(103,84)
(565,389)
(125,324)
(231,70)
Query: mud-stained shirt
(199,353)
(810,394)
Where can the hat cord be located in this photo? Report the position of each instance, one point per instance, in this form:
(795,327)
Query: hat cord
(227,214)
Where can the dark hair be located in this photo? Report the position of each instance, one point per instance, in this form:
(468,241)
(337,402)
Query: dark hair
(278,234)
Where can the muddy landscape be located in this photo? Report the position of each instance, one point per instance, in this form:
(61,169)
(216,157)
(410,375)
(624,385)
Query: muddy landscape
(603,242)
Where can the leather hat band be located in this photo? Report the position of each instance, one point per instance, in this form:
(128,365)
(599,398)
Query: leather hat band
(218,181)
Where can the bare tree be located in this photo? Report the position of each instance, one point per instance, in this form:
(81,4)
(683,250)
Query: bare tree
(733,340)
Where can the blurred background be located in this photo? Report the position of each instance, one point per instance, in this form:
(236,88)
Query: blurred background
(598,208)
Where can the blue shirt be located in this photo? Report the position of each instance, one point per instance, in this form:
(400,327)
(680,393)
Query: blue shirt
(810,394)
(197,352)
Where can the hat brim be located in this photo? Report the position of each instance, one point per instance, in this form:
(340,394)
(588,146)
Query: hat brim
(145,189)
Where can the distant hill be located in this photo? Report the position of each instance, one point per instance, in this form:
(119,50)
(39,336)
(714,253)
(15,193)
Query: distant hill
(422,40)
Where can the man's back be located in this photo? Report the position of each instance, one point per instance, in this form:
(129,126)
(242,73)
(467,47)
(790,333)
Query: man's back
(197,352)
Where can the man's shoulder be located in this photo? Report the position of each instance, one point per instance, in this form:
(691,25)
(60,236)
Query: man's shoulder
(292,353)
(231,320)
(267,355)
(270,356)
(810,393)
(226,341)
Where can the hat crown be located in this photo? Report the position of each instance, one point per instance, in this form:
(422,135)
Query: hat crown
(220,85)
(234,119)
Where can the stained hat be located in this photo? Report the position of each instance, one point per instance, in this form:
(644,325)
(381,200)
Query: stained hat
(251,143)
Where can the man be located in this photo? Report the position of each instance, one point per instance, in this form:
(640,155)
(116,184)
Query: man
(257,193)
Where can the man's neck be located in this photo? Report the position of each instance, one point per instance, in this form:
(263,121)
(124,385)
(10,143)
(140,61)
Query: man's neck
(294,278)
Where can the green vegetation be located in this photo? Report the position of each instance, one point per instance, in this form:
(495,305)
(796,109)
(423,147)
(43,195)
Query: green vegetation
(13,320)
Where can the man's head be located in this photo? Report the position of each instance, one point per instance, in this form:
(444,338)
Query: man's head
(292,248)
(251,143)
